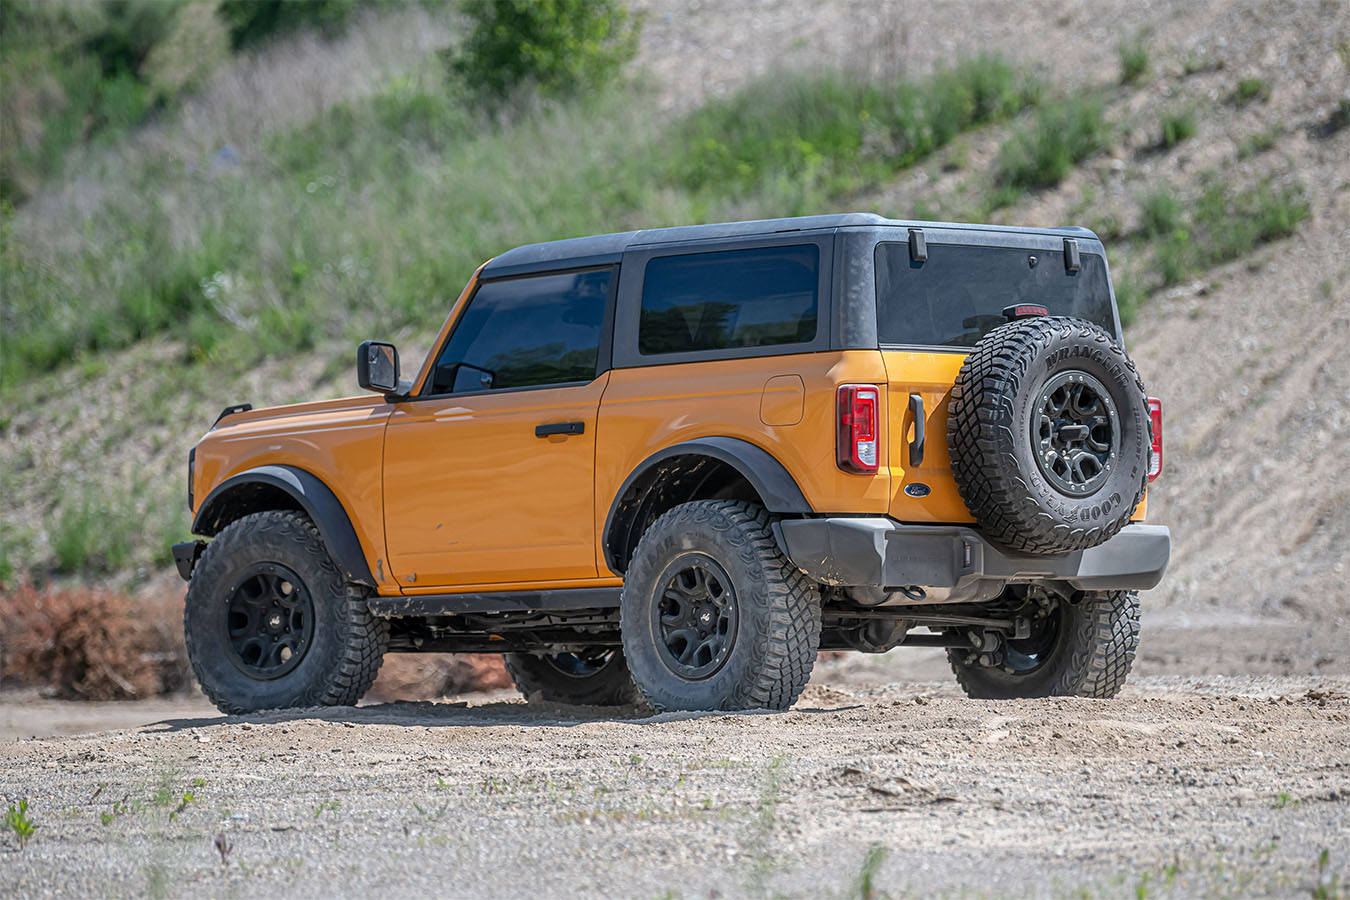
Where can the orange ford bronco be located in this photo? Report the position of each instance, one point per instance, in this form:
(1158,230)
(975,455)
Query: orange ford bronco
(666,467)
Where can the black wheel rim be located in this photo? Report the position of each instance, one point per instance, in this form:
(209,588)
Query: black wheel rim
(580,665)
(1075,433)
(696,616)
(1025,655)
(269,621)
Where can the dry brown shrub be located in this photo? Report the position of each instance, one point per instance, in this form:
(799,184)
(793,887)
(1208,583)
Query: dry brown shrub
(428,676)
(92,643)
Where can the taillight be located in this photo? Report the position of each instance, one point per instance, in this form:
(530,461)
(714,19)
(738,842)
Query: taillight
(1155,454)
(856,445)
(192,463)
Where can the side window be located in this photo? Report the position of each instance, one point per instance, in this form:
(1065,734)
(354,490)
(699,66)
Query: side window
(733,298)
(524,332)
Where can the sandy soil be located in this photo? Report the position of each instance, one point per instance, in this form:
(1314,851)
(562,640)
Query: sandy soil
(1187,785)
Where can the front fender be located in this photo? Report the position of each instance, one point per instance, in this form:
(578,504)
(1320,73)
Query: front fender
(287,487)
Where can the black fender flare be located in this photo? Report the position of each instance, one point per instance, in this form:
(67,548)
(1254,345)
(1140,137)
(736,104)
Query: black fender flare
(310,495)
(771,481)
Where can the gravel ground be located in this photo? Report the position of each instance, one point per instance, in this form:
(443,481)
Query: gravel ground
(1185,786)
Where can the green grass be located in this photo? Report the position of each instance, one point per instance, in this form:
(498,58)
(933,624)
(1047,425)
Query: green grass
(94,533)
(371,217)
(1219,226)
(1134,59)
(1160,213)
(18,823)
(1043,152)
(1177,126)
(1249,89)
(867,874)
(837,132)
(1259,143)
(1232,223)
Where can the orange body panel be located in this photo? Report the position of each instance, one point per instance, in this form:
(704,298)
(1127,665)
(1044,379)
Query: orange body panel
(473,497)
(648,409)
(930,375)
(340,441)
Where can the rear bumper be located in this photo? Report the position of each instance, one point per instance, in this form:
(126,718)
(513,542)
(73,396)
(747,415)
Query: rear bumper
(880,552)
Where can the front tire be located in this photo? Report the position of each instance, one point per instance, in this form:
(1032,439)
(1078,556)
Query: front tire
(269,622)
(1082,649)
(714,616)
(577,679)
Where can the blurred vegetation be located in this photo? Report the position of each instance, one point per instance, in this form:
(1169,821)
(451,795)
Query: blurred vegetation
(1177,126)
(832,133)
(373,214)
(1134,59)
(1042,154)
(1221,224)
(252,21)
(556,47)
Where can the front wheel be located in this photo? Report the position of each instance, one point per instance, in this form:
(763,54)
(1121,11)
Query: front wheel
(590,678)
(714,616)
(1082,646)
(269,622)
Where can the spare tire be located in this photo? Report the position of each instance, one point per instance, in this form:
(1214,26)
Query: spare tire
(1049,435)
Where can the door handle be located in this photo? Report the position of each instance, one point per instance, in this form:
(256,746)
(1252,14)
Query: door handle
(559,428)
(916,445)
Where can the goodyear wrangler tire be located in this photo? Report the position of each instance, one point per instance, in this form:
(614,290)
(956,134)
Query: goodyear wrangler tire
(713,616)
(270,623)
(579,679)
(1084,648)
(1049,434)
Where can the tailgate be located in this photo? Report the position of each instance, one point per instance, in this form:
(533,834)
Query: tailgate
(930,375)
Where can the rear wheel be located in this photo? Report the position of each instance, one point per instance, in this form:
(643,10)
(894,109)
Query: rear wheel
(714,616)
(597,677)
(270,623)
(1048,433)
(1079,647)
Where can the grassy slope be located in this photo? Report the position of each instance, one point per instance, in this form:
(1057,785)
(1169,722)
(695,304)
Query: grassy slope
(374,210)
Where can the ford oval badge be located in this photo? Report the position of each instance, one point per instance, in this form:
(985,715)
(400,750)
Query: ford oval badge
(918,489)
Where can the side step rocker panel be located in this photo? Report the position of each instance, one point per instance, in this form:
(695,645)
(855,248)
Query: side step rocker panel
(501,601)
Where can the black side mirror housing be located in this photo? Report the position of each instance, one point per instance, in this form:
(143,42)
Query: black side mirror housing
(377,367)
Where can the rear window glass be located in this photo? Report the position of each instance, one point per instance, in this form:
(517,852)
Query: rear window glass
(958,295)
(734,298)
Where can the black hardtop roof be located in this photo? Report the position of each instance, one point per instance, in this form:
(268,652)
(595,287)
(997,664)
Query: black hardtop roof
(608,248)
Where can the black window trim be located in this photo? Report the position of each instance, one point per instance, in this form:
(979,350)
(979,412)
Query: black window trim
(959,239)
(603,362)
(628,315)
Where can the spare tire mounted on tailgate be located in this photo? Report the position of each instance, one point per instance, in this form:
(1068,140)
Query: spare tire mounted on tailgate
(1048,433)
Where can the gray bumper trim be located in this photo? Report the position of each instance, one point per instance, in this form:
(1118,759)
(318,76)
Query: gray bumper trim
(884,553)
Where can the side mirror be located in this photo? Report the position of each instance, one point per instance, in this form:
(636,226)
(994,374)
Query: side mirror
(377,366)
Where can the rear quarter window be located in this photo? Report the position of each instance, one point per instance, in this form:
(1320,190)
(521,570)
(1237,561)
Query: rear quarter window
(729,299)
(958,295)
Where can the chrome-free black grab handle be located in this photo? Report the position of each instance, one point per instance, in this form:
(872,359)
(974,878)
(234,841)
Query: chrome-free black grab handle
(559,428)
(916,445)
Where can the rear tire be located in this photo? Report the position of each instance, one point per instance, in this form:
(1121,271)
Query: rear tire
(714,616)
(1086,652)
(270,623)
(1049,435)
(572,678)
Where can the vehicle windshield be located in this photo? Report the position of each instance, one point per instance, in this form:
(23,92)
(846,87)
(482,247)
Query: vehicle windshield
(959,293)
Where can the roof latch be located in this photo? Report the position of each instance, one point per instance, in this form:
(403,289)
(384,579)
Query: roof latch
(918,246)
(1072,262)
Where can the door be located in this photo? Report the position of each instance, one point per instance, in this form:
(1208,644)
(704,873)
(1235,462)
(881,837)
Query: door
(489,471)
